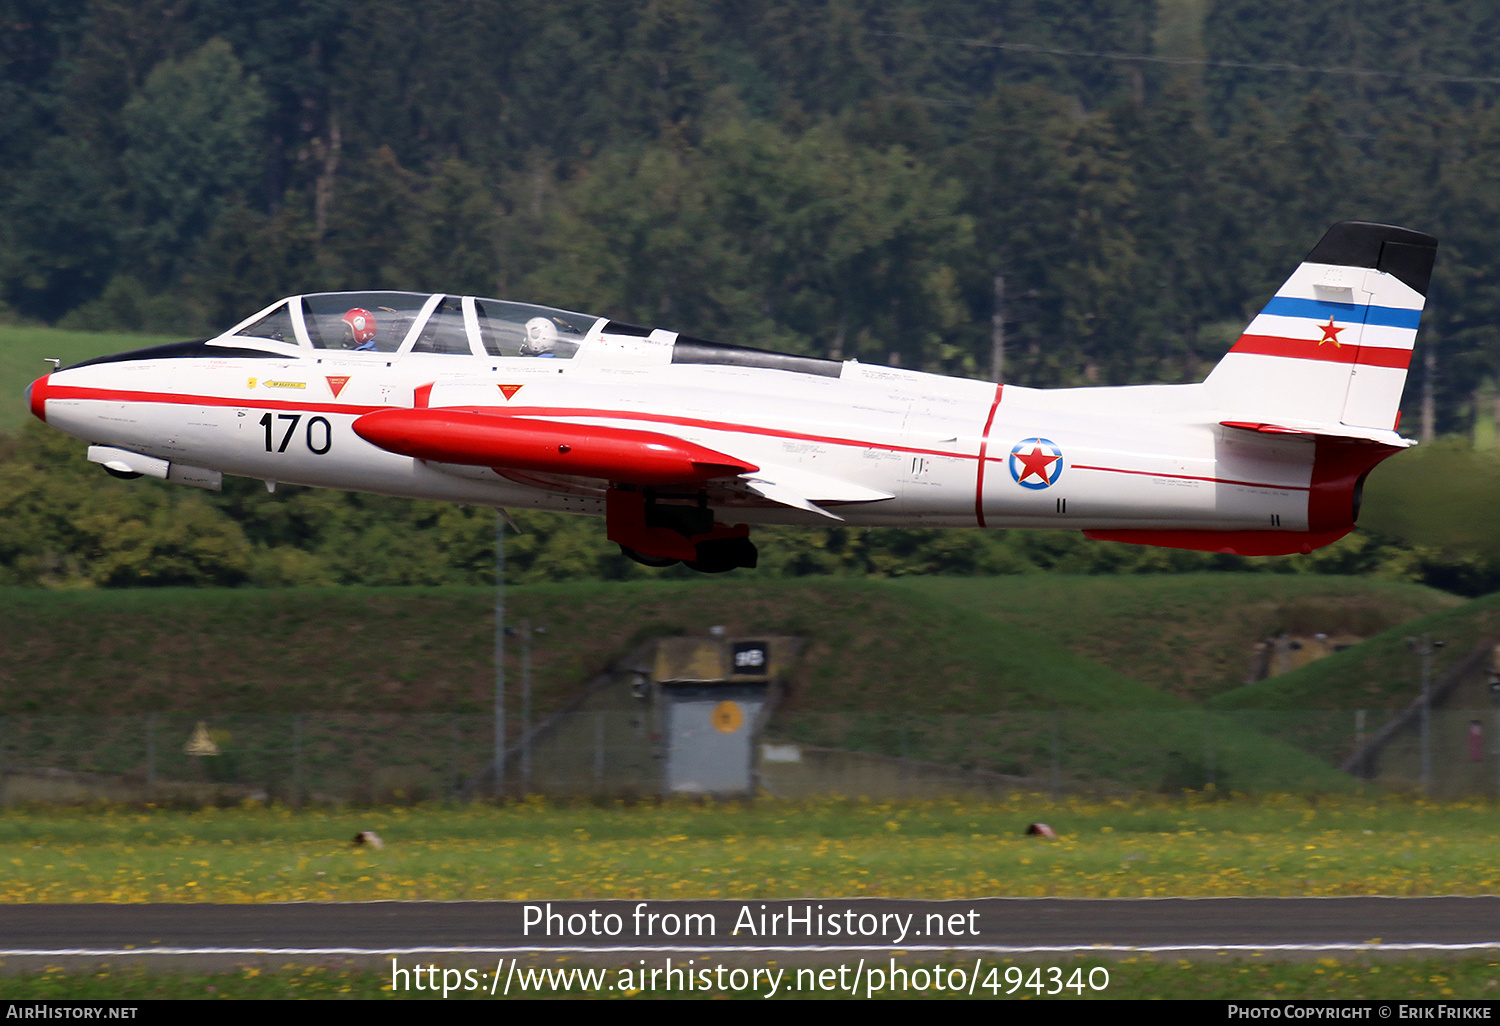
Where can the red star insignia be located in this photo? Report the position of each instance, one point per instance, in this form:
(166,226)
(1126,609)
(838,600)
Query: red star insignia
(1330,333)
(1036,462)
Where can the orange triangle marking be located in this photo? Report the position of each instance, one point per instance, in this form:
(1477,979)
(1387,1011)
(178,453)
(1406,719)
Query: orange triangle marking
(336,383)
(509,390)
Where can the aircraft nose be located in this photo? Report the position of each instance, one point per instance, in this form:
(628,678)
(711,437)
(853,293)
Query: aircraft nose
(36,397)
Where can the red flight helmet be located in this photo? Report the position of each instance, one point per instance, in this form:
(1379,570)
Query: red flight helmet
(361,324)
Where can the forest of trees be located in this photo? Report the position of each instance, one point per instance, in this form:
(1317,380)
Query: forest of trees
(836,177)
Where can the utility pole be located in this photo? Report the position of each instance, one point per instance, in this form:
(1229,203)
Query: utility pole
(499,765)
(1494,682)
(525,706)
(997,332)
(1424,647)
(1429,371)
(525,632)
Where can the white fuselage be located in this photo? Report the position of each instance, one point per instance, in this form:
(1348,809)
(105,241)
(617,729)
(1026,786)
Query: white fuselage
(1149,457)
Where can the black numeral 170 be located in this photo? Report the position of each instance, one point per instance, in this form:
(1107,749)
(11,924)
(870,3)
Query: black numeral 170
(319,435)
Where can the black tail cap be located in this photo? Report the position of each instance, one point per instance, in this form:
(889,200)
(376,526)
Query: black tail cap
(1397,251)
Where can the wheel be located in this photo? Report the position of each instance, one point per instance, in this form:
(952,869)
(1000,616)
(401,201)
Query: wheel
(644,560)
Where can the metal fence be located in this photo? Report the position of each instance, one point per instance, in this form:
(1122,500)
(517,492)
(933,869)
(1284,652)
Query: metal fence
(380,757)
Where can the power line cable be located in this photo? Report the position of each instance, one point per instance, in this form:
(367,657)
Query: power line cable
(1147,58)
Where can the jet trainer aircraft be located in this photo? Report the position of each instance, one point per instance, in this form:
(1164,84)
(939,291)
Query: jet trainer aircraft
(683,444)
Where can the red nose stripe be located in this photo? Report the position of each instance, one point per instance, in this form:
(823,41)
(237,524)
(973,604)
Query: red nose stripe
(545,446)
(36,394)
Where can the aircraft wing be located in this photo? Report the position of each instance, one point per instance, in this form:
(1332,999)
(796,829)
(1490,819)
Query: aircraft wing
(581,450)
(803,489)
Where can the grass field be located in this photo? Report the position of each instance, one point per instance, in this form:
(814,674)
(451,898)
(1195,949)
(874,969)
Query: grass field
(22,350)
(826,848)
(1130,978)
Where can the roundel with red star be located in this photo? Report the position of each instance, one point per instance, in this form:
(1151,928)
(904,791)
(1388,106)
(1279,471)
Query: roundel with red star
(1035,463)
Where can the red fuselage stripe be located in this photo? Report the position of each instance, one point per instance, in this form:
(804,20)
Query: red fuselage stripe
(984,445)
(178,399)
(1309,349)
(113,395)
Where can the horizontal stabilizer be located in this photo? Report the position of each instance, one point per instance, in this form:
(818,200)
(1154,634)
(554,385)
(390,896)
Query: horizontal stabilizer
(1341,432)
(801,489)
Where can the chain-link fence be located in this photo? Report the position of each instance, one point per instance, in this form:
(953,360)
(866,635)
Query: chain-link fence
(379,757)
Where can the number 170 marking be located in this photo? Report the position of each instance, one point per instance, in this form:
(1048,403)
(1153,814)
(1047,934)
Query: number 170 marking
(316,427)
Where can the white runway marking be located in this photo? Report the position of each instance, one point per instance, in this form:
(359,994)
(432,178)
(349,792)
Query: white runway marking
(994,949)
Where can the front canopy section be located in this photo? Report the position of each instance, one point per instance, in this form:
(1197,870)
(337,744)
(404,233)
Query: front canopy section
(362,322)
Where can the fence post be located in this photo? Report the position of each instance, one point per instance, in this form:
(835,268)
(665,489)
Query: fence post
(1208,751)
(151,751)
(1056,759)
(905,766)
(1361,771)
(458,782)
(297,760)
(598,752)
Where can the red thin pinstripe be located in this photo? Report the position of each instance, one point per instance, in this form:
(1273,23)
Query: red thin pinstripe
(984,445)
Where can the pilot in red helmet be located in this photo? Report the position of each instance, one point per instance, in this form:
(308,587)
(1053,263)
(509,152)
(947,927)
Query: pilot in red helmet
(360,330)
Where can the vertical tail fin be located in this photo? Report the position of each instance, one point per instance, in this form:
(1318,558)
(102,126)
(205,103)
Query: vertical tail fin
(1332,347)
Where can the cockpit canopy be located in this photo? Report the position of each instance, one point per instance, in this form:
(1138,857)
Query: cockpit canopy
(402,322)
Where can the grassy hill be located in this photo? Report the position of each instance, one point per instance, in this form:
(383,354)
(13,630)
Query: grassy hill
(1190,635)
(1379,674)
(871,646)
(22,350)
(1311,708)
(916,667)
(911,644)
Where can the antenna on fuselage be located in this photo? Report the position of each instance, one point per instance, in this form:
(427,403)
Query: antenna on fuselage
(54,361)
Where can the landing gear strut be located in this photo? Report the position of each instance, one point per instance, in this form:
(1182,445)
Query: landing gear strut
(654,532)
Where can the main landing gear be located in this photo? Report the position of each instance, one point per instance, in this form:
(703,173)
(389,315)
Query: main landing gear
(660,529)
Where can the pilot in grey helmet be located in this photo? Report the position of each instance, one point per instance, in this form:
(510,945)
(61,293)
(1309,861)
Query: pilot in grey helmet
(541,338)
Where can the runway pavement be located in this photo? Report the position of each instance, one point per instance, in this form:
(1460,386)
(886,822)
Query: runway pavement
(1010,925)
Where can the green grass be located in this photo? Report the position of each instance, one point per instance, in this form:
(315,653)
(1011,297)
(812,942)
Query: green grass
(1275,845)
(1188,634)
(1135,978)
(22,350)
